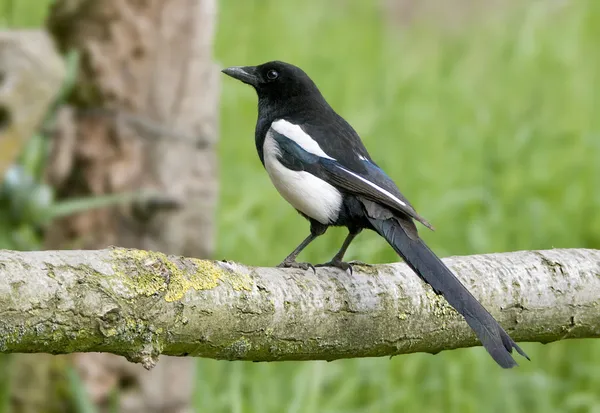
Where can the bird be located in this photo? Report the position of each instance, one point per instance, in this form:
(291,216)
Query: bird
(319,164)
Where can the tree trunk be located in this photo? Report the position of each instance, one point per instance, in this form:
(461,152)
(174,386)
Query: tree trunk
(146,118)
(31,74)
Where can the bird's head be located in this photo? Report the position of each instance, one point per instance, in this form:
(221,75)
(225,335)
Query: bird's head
(275,81)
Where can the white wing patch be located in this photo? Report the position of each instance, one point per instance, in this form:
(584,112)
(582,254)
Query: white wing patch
(312,196)
(307,193)
(296,134)
(377,187)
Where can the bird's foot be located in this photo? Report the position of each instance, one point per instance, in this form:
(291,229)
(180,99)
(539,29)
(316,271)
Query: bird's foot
(343,265)
(360,263)
(294,264)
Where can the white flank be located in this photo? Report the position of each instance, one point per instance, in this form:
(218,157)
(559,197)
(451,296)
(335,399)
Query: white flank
(377,187)
(304,191)
(296,134)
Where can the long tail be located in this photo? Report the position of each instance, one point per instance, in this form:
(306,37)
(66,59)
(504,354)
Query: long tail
(432,270)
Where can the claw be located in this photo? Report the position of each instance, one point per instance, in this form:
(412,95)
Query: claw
(294,264)
(345,266)
(342,265)
(360,263)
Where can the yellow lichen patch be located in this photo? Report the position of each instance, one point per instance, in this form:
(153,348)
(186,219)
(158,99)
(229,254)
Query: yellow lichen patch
(206,277)
(155,272)
(237,280)
(110,332)
(438,305)
(148,279)
(365,269)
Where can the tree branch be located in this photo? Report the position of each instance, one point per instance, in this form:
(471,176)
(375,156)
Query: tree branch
(142,304)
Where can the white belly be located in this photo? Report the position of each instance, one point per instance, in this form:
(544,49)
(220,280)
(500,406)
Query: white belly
(305,192)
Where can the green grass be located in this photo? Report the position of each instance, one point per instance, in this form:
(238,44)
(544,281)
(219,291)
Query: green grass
(492,132)
(23,13)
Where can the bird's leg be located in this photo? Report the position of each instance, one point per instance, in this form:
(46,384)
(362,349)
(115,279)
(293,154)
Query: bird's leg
(316,229)
(290,260)
(337,260)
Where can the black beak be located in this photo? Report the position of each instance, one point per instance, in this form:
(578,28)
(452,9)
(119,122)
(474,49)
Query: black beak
(246,74)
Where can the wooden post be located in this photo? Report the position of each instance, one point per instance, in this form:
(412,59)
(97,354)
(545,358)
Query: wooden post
(145,118)
(31,74)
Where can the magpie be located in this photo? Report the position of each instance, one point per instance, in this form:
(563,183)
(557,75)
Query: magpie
(319,164)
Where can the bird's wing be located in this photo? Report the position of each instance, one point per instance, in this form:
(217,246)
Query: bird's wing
(343,163)
(373,184)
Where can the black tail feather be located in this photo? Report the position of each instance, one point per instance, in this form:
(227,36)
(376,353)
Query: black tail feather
(432,270)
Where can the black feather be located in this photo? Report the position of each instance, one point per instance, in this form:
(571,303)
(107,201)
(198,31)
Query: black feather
(432,270)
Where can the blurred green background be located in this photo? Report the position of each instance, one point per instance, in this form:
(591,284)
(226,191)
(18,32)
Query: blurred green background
(490,127)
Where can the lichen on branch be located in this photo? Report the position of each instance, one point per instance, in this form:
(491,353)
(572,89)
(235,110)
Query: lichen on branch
(141,304)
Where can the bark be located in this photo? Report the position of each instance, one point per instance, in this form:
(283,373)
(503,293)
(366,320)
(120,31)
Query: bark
(146,80)
(142,304)
(31,74)
(152,61)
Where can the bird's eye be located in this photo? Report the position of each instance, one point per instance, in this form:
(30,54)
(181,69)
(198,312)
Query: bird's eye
(272,74)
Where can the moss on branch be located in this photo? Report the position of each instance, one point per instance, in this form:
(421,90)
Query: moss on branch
(141,304)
